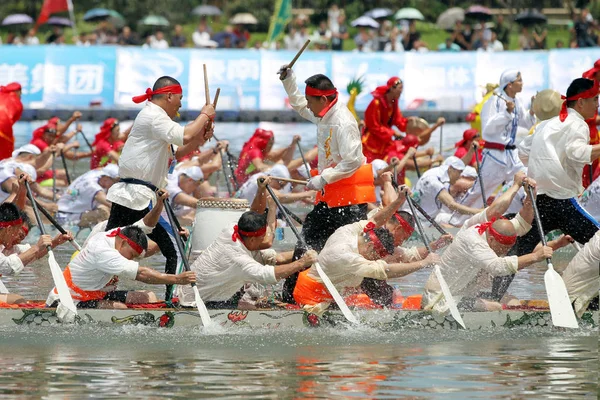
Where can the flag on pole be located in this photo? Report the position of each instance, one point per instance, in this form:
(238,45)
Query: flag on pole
(52,7)
(281,17)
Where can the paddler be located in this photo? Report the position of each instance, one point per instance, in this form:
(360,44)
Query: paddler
(108,143)
(92,275)
(241,255)
(11,109)
(590,199)
(464,148)
(343,180)
(593,122)
(353,253)
(478,253)
(183,185)
(283,190)
(500,117)
(155,142)
(381,115)
(582,277)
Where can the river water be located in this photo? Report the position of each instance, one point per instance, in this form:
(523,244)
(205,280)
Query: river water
(143,362)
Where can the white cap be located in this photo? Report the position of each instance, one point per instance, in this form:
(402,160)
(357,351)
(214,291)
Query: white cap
(378,165)
(28,148)
(469,172)
(195,173)
(302,170)
(455,163)
(28,169)
(111,170)
(279,171)
(508,76)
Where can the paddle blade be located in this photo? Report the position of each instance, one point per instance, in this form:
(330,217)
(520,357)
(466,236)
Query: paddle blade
(558,298)
(336,295)
(448,296)
(204,315)
(67,312)
(3,289)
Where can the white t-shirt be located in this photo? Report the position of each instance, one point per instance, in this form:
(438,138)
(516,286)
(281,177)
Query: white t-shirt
(7,171)
(582,276)
(99,262)
(79,196)
(429,187)
(145,156)
(9,264)
(225,266)
(342,262)
(590,199)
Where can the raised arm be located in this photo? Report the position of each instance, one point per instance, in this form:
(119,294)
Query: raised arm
(386,213)
(297,99)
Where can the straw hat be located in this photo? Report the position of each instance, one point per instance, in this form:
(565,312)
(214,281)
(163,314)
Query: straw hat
(547,104)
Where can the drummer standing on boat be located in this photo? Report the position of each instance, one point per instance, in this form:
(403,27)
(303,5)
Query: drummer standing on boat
(500,117)
(155,139)
(343,181)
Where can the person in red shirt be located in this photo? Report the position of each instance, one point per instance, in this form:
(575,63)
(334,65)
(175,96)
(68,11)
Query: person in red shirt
(11,109)
(107,144)
(407,148)
(464,147)
(593,74)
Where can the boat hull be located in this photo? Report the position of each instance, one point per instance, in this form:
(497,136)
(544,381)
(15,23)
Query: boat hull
(278,319)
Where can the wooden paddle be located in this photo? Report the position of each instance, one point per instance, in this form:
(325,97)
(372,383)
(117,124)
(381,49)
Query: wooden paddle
(86,140)
(3,289)
(558,297)
(53,178)
(483,197)
(66,311)
(57,225)
(328,284)
(64,163)
(283,74)
(303,160)
(289,180)
(436,268)
(417,166)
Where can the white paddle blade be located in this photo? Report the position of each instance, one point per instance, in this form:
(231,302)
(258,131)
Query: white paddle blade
(558,298)
(336,295)
(204,315)
(68,309)
(448,296)
(3,289)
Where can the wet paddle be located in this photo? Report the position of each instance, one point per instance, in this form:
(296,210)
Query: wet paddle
(558,297)
(417,166)
(428,218)
(85,139)
(436,269)
(227,180)
(64,163)
(66,311)
(3,289)
(204,315)
(479,175)
(441,137)
(303,160)
(57,225)
(328,284)
(53,178)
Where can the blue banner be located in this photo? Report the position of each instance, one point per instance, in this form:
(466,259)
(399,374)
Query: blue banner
(72,76)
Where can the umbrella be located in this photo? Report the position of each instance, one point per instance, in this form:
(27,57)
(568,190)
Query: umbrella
(154,20)
(59,21)
(409,13)
(17,19)
(101,14)
(377,13)
(450,17)
(243,19)
(479,13)
(365,22)
(206,10)
(531,17)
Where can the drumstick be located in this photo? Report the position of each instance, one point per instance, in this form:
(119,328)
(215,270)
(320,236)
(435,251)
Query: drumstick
(216,98)
(501,97)
(283,74)
(207,94)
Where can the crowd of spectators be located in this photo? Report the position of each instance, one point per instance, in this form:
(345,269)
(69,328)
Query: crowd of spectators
(331,34)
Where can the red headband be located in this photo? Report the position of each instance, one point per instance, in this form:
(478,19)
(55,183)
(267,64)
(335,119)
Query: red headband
(591,92)
(176,89)
(136,247)
(404,224)
(377,245)
(7,224)
(311,91)
(500,238)
(237,232)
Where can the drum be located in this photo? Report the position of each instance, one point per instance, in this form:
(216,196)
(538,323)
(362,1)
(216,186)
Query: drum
(416,126)
(212,216)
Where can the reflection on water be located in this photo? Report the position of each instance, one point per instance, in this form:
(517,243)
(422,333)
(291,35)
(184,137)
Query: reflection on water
(136,362)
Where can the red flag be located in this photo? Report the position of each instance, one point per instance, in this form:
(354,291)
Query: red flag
(51,7)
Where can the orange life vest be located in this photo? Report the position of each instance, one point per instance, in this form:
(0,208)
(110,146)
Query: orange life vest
(356,189)
(310,292)
(85,295)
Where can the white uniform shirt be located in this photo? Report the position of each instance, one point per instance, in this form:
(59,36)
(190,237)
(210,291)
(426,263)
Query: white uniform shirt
(79,196)
(590,199)
(500,126)
(342,262)
(225,266)
(582,276)
(7,171)
(174,190)
(338,139)
(561,150)
(469,263)
(429,187)
(146,156)
(10,264)
(99,262)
